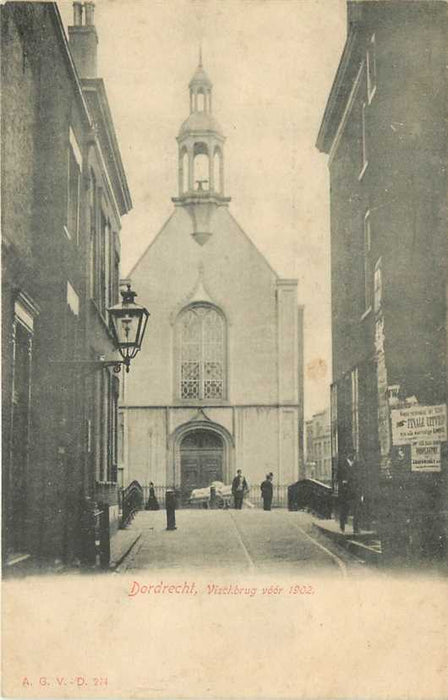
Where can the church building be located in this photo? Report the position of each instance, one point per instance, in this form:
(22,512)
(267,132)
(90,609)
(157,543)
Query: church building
(219,383)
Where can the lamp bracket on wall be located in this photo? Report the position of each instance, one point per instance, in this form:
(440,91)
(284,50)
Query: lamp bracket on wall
(93,365)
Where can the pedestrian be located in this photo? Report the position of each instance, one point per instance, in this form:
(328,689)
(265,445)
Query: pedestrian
(344,492)
(267,490)
(357,495)
(152,503)
(239,489)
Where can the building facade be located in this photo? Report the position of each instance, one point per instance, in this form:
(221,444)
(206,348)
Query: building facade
(220,384)
(63,193)
(385,131)
(318,447)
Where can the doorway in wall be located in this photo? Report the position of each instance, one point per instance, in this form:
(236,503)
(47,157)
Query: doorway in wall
(201,460)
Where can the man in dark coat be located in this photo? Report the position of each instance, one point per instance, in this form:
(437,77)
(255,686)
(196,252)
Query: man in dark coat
(357,495)
(345,477)
(239,489)
(267,490)
(351,497)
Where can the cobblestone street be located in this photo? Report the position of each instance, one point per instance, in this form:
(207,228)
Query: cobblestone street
(276,541)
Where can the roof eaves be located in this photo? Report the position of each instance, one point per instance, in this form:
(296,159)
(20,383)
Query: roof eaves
(97,85)
(328,125)
(156,237)
(255,247)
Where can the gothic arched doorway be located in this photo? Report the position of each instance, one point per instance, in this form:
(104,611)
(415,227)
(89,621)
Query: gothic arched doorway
(201,459)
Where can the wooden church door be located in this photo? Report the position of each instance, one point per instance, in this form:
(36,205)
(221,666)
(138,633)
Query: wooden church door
(201,460)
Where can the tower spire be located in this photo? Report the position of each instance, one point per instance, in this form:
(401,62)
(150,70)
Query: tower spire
(200,55)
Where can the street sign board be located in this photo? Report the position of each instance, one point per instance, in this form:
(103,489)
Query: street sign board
(426,457)
(417,423)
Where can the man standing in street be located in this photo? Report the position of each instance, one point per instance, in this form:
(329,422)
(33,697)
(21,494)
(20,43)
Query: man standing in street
(357,495)
(351,496)
(239,489)
(267,491)
(345,484)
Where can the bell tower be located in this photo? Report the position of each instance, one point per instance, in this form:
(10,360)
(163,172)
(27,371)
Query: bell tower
(201,158)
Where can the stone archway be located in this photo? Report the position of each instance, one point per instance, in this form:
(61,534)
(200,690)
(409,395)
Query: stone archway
(200,445)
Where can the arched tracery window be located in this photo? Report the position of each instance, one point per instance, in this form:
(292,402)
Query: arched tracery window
(201,342)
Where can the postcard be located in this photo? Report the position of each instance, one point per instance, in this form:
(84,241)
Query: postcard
(224,349)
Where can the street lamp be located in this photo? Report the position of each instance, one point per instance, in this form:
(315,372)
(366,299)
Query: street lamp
(128,324)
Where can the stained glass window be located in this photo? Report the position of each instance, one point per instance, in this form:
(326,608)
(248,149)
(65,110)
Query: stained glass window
(202,353)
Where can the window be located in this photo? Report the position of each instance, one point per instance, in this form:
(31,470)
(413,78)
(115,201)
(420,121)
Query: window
(334,420)
(102,263)
(104,260)
(70,335)
(355,410)
(120,437)
(93,237)
(108,264)
(25,59)
(113,389)
(101,427)
(201,341)
(106,427)
(20,425)
(367,263)
(377,287)
(73,188)
(371,68)
(115,279)
(16,481)
(364,152)
(72,299)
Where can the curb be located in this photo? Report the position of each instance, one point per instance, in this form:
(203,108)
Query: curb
(358,549)
(114,564)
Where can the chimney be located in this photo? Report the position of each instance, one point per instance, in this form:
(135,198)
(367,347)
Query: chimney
(83,39)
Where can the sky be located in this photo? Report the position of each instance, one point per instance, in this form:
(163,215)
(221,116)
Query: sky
(272,64)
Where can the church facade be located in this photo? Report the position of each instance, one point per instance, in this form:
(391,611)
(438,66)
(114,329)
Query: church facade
(219,383)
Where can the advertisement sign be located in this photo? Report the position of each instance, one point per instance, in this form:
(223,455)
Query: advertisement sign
(416,423)
(426,458)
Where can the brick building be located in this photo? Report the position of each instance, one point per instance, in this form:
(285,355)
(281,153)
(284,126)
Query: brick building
(318,447)
(63,193)
(385,131)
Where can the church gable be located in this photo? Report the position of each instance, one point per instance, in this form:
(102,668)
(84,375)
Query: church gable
(226,239)
(218,309)
(218,383)
(227,270)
